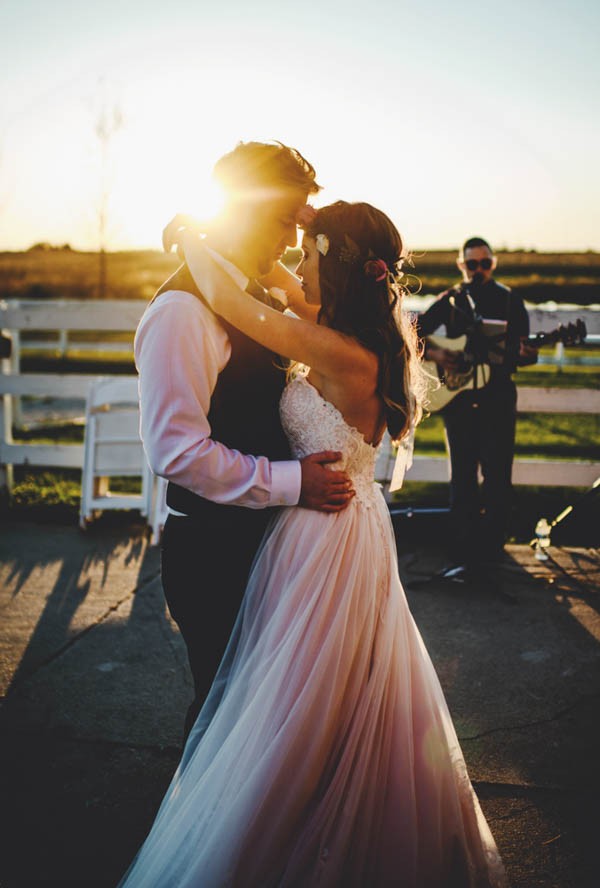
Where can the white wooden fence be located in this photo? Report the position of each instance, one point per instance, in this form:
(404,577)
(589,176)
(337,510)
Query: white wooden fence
(62,341)
(17,318)
(536,472)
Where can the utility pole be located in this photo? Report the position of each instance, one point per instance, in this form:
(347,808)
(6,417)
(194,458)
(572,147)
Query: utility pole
(109,122)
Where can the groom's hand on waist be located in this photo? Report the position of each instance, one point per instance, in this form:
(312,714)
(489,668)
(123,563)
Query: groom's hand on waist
(323,488)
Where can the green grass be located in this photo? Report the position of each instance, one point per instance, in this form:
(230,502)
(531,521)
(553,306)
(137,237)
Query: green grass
(52,489)
(562,436)
(79,336)
(68,274)
(96,363)
(548,376)
(539,436)
(53,496)
(70,432)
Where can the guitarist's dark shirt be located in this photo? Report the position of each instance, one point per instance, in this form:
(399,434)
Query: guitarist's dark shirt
(492,301)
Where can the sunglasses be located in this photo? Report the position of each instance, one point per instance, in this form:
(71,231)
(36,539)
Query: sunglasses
(474,264)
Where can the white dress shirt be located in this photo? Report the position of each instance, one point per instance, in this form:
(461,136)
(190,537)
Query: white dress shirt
(180,349)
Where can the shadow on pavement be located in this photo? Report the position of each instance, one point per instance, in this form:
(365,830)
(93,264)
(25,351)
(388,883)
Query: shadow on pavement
(96,686)
(517,651)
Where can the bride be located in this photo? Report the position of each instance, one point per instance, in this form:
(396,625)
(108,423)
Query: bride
(325,753)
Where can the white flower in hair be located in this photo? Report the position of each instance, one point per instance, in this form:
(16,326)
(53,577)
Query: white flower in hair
(322,242)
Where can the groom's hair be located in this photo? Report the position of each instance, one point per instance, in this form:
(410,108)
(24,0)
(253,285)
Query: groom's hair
(263,170)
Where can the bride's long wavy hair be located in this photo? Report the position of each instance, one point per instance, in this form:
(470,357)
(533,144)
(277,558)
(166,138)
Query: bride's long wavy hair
(363,298)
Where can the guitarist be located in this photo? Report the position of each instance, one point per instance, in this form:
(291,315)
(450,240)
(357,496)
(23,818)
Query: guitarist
(480,422)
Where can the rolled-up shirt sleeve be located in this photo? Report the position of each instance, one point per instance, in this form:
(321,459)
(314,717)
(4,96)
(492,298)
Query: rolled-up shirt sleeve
(180,349)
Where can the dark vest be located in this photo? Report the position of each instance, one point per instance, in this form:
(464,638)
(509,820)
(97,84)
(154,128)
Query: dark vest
(244,407)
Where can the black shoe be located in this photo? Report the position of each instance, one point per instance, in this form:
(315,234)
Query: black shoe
(454,573)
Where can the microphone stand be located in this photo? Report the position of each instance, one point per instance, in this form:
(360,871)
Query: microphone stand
(544,528)
(475,339)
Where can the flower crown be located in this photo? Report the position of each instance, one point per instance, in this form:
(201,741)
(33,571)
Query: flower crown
(350,253)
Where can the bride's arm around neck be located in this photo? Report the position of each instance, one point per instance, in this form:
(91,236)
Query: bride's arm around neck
(332,354)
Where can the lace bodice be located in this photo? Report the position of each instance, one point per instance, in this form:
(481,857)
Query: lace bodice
(312,424)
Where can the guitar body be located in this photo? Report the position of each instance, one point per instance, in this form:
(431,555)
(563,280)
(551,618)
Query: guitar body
(451,384)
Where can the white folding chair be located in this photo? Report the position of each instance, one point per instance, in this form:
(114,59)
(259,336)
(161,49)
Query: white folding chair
(112,448)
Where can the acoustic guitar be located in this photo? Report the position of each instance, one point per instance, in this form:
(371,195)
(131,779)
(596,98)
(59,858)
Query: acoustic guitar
(464,378)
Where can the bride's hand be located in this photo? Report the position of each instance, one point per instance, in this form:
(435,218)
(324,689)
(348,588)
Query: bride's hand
(171,235)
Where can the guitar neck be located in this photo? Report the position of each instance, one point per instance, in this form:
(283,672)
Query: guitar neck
(541,339)
(569,334)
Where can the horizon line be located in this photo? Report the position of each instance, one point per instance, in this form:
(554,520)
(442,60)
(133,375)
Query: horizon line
(47,246)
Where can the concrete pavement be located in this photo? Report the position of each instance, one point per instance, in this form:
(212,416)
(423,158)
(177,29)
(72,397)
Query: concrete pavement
(95,685)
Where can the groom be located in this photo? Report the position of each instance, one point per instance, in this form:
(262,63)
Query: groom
(210,424)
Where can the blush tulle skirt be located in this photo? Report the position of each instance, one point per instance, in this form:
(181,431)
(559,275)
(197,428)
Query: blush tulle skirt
(325,754)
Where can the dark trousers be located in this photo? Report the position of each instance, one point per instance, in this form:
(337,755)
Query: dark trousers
(480,432)
(205,565)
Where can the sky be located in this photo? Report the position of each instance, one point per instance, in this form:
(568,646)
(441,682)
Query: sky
(456,119)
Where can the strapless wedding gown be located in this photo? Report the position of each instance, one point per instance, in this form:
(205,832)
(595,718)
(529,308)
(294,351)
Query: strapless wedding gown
(325,754)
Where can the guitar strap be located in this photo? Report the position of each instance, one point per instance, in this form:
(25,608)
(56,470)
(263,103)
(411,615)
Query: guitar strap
(492,346)
(471,307)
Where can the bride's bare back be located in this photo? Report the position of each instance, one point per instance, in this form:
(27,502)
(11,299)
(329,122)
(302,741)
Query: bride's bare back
(361,406)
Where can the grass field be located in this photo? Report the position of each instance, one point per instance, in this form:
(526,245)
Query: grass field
(68,274)
(539,277)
